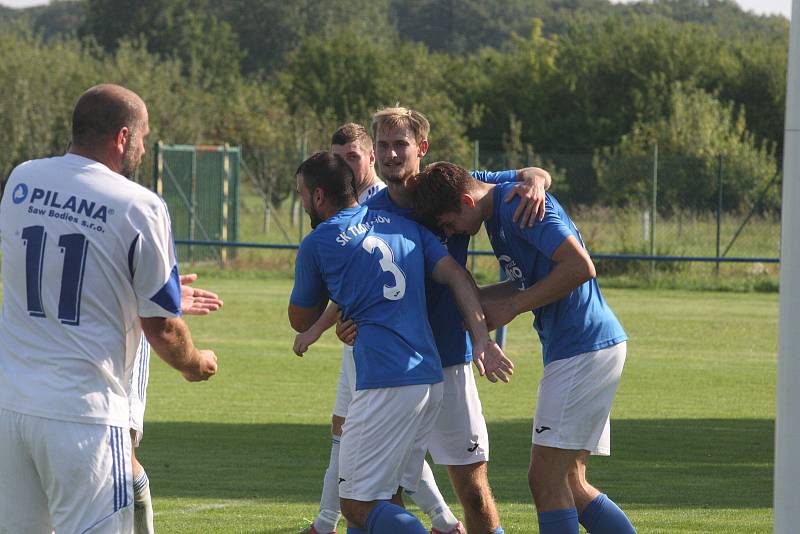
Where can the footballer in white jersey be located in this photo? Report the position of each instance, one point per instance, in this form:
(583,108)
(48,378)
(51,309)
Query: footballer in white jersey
(83,259)
(80,265)
(88,263)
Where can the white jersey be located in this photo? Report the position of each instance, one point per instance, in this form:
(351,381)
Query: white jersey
(86,252)
(369,192)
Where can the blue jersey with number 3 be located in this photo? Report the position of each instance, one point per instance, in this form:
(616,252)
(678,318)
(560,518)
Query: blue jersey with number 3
(374,265)
(452,341)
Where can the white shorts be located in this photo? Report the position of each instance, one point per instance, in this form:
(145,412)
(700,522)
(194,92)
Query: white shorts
(575,396)
(63,476)
(137,390)
(347,382)
(460,436)
(384,440)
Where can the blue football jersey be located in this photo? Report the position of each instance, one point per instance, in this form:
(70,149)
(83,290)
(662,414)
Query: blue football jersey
(374,265)
(581,321)
(453,342)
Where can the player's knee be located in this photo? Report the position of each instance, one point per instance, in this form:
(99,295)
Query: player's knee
(356,512)
(538,482)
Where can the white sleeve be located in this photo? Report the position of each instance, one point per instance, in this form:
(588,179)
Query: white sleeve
(152,260)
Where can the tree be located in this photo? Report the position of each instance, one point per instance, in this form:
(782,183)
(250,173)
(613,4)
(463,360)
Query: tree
(348,75)
(179,29)
(41,83)
(698,130)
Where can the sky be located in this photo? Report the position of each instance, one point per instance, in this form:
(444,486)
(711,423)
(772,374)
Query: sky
(761,7)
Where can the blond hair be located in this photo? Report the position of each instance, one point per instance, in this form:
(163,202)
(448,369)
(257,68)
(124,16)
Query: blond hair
(400,117)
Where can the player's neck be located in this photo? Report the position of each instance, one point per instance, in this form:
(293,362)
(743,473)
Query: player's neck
(93,154)
(400,195)
(329,211)
(484,198)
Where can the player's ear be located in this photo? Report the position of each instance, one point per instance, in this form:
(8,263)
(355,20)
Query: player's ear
(121,139)
(319,196)
(423,148)
(467,200)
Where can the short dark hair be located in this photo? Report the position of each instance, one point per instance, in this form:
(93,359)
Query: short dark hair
(351,133)
(102,111)
(331,173)
(437,190)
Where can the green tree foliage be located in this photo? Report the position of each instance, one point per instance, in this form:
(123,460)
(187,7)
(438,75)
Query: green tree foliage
(348,75)
(550,90)
(697,136)
(41,83)
(44,79)
(269,30)
(179,29)
(257,117)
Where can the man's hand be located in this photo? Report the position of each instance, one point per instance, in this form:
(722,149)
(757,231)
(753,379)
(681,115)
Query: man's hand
(346,331)
(497,313)
(531,191)
(196,301)
(493,363)
(205,367)
(303,340)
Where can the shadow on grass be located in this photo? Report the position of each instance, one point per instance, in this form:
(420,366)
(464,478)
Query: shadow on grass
(670,463)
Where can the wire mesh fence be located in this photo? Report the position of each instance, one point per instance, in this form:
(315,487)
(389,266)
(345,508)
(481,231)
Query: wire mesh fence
(690,214)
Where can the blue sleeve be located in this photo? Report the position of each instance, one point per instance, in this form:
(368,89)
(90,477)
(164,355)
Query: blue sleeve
(309,288)
(169,296)
(495,177)
(432,249)
(548,234)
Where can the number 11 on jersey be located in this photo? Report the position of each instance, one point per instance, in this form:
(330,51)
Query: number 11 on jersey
(74,247)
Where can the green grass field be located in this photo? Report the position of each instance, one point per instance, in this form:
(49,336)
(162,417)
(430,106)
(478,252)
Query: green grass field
(692,424)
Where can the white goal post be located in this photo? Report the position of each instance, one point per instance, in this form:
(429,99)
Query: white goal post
(787,426)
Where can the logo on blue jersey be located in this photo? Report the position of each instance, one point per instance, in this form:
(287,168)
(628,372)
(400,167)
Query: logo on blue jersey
(513,272)
(20,194)
(78,206)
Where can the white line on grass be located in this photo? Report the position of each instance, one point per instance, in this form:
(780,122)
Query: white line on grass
(205,507)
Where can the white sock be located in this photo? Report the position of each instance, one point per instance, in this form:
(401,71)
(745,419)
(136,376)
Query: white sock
(329,508)
(430,500)
(142,505)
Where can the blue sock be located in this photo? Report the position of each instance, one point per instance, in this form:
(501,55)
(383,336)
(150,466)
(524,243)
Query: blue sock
(559,522)
(356,530)
(498,530)
(603,516)
(387,517)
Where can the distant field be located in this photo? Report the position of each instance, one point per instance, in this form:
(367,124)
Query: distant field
(692,423)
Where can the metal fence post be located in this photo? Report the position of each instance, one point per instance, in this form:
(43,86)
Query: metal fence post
(653,209)
(476,147)
(500,335)
(193,202)
(226,175)
(159,185)
(301,215)
(719,209)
